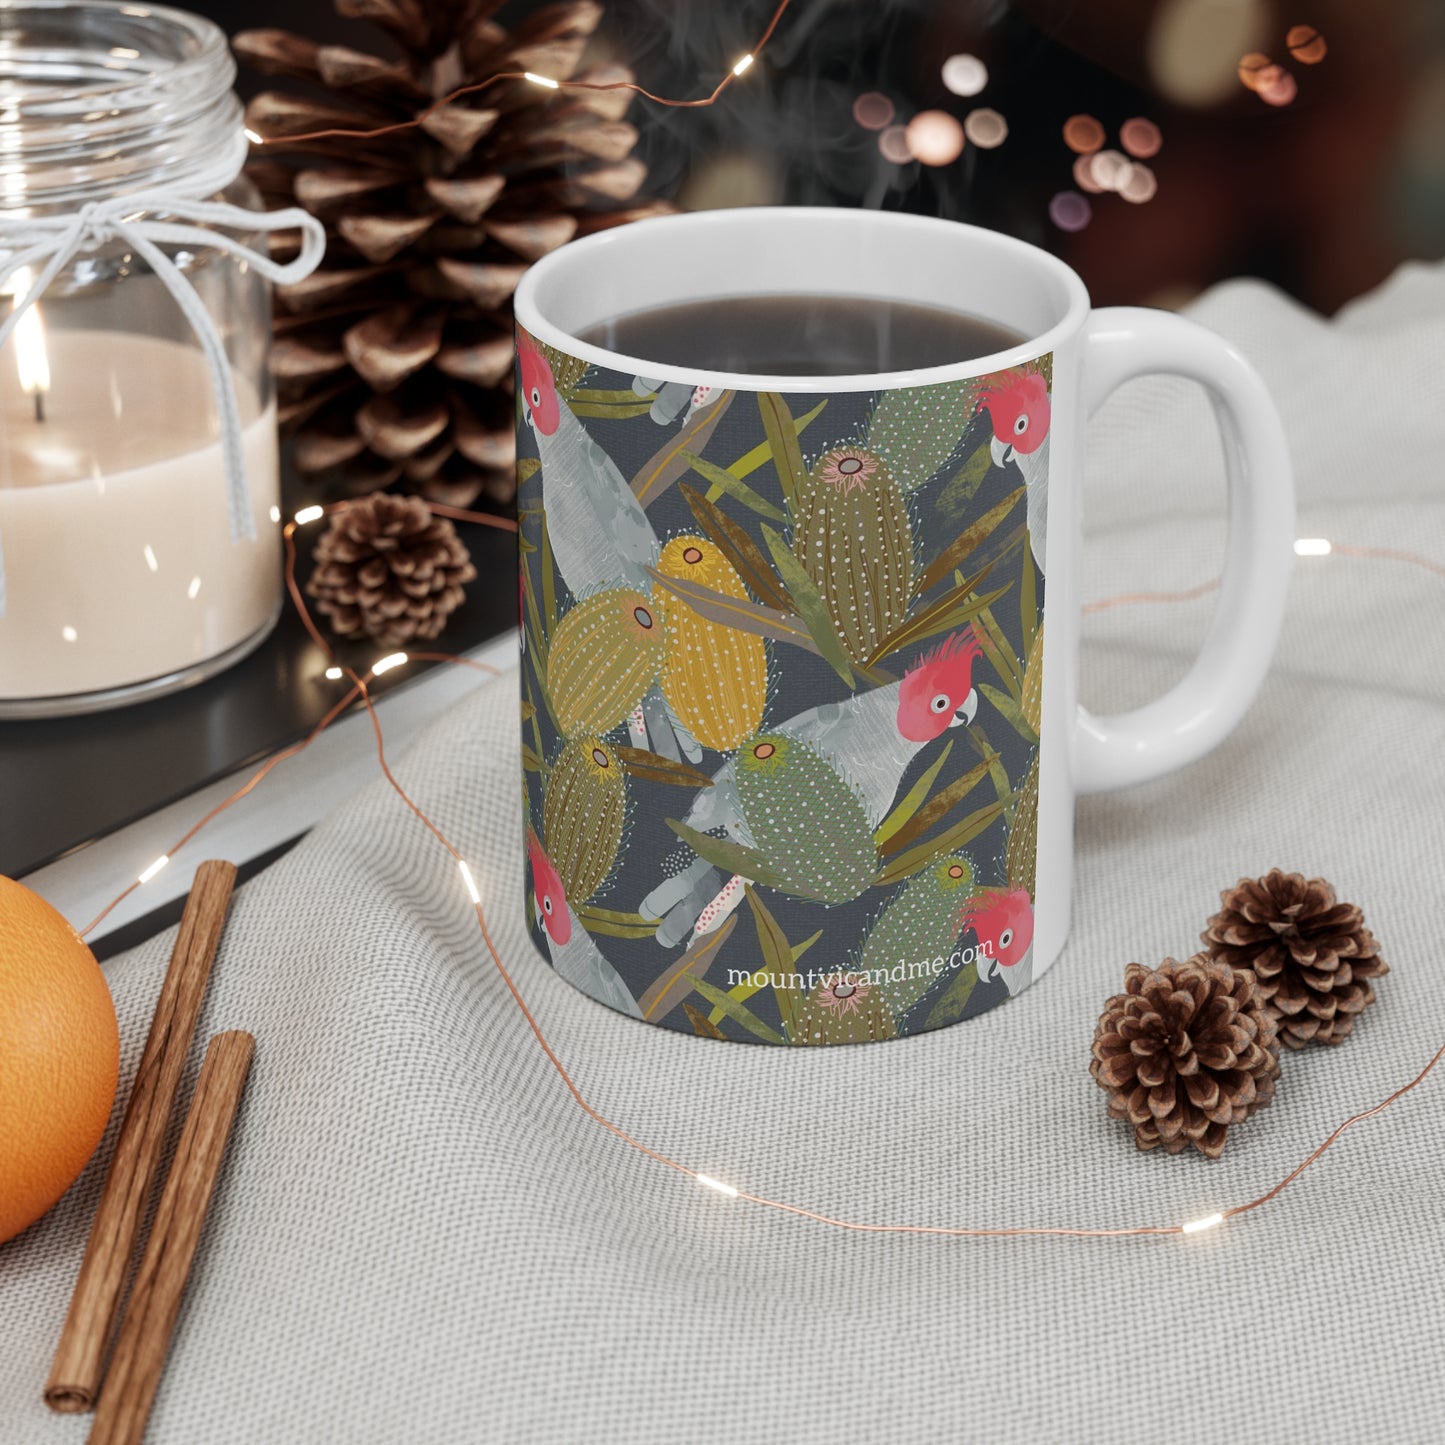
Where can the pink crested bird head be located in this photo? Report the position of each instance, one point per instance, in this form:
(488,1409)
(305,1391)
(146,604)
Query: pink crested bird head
(539,390)
(937,692)
(1003,924)
(1018,407)
(547,886)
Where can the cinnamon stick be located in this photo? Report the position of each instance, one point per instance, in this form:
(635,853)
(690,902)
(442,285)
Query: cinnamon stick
(155,1298)
(79,1362)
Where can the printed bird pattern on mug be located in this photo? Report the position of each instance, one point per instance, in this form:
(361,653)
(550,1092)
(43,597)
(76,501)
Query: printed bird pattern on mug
(781,696)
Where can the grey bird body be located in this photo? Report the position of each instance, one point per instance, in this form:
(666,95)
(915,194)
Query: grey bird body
(1034,468)
(859,737)
(599,534)
(581,963)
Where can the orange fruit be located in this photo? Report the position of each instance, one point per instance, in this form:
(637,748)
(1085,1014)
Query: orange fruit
(59,1056)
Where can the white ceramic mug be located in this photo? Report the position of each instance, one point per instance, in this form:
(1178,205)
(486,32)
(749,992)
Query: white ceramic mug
(842,806)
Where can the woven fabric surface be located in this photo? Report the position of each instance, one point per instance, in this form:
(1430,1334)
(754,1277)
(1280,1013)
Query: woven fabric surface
(418,1236)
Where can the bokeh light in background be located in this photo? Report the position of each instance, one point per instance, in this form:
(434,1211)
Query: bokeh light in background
(934,137)
(1140,185)
(985,128)
(1306,44)
(1084,134)
(893,142)
(1084,175)
(1141,138)
(1109,169)
(1323,195)
(964,74)
(1252,66)
(873,110)
(1276,86)
(1070,211)
(1194,46)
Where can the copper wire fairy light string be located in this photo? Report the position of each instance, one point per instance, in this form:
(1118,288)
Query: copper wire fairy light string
(295,749)
(547,82)
(360,689)
(1190,594)
(1129,599)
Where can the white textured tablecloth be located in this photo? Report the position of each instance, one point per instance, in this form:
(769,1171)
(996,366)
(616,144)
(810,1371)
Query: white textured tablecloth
(419,1238)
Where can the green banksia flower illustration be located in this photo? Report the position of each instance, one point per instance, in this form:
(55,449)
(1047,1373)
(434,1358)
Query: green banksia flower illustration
(916,428)
(584,812)
(854,538)
(845,1008)
(604,655)
(1021,850)
(806,821)
(1033,692)
(714,678)
(918,927)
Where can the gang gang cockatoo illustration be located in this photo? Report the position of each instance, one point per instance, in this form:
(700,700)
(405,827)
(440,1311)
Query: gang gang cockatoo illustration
(781,661)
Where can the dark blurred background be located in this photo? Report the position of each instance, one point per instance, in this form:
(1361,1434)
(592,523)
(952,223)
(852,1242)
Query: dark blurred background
(1319,166)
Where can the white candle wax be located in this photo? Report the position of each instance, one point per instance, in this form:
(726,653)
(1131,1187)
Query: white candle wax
(114,522)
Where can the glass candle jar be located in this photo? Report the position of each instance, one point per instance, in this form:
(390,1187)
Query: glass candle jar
(131,567)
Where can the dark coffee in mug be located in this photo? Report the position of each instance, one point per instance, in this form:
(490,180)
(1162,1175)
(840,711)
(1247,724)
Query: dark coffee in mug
(803,335)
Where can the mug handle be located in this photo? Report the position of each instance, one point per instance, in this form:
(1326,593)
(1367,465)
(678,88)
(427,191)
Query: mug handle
(1199,711)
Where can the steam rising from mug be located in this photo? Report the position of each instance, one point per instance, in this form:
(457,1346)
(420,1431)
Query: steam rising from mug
(789,135)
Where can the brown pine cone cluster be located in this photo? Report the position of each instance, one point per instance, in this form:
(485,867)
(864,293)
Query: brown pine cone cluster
(394,360)
(1187,1050)
(1312,956)
(387,569)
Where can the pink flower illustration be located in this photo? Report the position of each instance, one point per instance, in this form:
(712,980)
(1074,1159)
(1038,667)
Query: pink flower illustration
(847,468)
(844,992)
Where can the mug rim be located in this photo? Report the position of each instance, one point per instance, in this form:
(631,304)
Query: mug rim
(592,250)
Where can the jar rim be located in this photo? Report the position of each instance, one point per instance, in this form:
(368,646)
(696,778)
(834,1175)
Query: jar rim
(210,45)
(108,97)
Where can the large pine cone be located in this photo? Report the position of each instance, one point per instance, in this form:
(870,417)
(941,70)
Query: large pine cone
(394,360)
(388,570)
(1313,957)
(1185,1051)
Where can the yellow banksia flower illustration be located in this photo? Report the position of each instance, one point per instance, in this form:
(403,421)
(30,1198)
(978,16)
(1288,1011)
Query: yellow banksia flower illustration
(714,678)
(605,654)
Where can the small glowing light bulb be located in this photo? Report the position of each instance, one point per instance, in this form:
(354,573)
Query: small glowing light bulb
(708,1182)
(1313,547)
(309,514)
(742,64)
(1195,1226)
(154,868)
(469,880)
(542,80)
(385,664)
(333,674)
(256,140)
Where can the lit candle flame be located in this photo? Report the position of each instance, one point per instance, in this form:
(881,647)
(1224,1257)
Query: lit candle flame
(30,356)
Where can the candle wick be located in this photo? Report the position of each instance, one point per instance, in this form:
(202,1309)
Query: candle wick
(39,404)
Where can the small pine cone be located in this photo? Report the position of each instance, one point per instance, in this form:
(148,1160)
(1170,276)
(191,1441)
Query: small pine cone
(1313,957)
(387,569)
(1185,1051)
